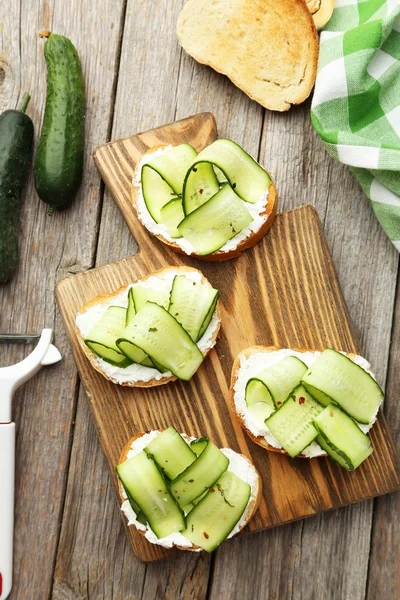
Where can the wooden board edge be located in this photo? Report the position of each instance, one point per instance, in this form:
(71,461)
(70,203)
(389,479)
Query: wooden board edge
(207,115)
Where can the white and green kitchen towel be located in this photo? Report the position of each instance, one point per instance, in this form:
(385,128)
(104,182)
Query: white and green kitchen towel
(356,104)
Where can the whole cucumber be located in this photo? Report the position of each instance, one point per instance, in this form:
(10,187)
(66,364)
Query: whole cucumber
(59,159)
(16,144)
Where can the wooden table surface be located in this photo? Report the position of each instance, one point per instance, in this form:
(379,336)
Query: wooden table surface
(69,539)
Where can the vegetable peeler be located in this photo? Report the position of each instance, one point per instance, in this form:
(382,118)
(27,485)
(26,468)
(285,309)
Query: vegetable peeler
(12,378)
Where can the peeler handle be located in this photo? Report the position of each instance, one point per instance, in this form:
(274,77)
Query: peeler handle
(7,465)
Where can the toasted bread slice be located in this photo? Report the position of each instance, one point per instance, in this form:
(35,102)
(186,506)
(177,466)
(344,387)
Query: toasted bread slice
(321,11)
(107,297)
(218,256)
(260,440)
(250,510)
(267,48)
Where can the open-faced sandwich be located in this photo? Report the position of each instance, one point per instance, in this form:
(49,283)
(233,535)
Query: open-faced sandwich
(181,491)
(212,205)
(306,403)
(155,330)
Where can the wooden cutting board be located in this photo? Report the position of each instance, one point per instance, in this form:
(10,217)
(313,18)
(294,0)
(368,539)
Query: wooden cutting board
(282,292)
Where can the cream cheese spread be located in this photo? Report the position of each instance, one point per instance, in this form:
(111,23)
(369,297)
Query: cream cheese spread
(256,210)
(251,366)
(237,464)
(135,372)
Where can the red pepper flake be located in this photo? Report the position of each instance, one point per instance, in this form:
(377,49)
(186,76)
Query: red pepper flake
(212,490)
(301,400)
(201,190)
(206,535)
(279,403)
(331,413)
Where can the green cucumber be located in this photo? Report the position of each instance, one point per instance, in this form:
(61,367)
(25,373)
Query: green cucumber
(170,451)
(280,379)
(146,485)
(164,340)
(334,376)
(292,424)
(200,475)
(162,178)
(142,294)
(156,192)
(341,438)
(59,159)
(192,304)
(173,165)
(135,507)
(249,180)
(130,311)
(102,336)
(171,214)
(199,186)
(198,445)
(16,143)
(215,222)
(211,521)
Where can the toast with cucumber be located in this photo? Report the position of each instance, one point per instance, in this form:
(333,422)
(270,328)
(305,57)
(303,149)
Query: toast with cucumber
(306,403)
(184,492)
(155,330)
(211,205)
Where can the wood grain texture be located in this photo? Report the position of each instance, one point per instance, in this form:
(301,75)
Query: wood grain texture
(49,248)
(300,281)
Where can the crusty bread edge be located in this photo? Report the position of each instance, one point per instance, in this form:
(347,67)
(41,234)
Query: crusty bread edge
(260,440)
(106,297)
(251,508)
(218,256)
(311,68)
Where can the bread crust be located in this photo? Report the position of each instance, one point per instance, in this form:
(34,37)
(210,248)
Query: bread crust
(252,508)
(260,440)
(321,11)
(293,16)
(106,298)
(218,256)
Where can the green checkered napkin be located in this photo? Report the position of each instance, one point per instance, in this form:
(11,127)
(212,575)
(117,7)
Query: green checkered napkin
(356,104)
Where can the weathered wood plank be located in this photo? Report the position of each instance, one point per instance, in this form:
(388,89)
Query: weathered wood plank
(366,265)
(50,247)
(384,574)
(145,98)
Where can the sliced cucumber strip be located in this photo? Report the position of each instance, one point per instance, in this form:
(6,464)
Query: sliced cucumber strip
(101,338)
(156,192)
(258,399)
(280,379)
(173,165)
(292,425)
(340,379)
(211,521)
(145,484)
(192,304)
(200,475)
(217,221)
(160,336)
(198,445)
(249,180)
(170,451)
(142,294)
(171,215)
(200,184)
(135,354)
(130,311)
(135,507)
(342,438)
